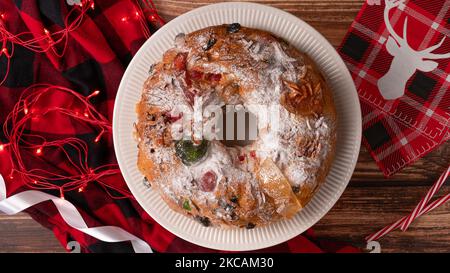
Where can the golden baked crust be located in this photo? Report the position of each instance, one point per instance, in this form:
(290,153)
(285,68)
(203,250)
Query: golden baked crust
(246,186)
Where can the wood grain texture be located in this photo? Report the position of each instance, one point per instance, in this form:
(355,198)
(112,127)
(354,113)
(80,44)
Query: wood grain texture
(364,210)
(369,203)
(331,17)
(20,233)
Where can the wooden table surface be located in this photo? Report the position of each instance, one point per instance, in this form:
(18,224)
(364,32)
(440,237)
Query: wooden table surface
(370,202)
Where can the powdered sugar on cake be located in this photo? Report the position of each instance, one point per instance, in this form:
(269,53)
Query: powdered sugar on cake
(298,145)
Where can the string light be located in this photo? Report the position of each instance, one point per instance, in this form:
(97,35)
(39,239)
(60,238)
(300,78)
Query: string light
(11,174)
(150,8)
(35,44)
(93,94)
(25,108)
(33,108)
(79,174)
(5,51)
(97,139)
(49,37)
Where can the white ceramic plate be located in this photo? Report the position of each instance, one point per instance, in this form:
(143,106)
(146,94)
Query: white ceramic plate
(299,34)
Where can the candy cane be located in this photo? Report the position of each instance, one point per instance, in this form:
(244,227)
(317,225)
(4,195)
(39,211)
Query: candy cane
(431,192)
(438,202)
(418,211)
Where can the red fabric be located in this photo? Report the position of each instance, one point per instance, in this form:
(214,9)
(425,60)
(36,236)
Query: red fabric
(398,132)
(97,55)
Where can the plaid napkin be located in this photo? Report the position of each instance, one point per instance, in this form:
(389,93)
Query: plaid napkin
(398,54)
(98,53)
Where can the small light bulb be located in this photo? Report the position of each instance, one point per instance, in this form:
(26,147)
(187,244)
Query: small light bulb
(5,51)
(93,94)
(39,151)
(80,189)
(124,19)
(2,147)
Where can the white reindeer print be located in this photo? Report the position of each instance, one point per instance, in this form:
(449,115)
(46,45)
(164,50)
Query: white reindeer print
(406,60)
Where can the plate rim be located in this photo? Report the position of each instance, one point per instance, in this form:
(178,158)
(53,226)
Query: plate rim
(278,12)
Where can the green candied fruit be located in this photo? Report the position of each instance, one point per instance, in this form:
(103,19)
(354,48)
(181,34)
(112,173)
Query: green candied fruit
(189,153)
(186,205)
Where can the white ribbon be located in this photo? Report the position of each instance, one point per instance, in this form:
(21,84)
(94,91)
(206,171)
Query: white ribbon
(23,200)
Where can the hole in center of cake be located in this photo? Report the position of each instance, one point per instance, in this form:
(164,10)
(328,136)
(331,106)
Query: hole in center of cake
(237,126)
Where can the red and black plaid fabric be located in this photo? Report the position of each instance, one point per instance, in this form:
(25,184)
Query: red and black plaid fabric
(97,55)
(399,131)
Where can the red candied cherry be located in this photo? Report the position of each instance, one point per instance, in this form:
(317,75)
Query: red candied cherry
(180,61)
(195,74)
(241,157)
(173,119)
(253,153)
(188,81)
(213,77)
(190,95)
(208,181)
(216,77)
